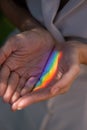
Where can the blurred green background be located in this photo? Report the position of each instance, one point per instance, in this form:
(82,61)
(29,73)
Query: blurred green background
(5,28)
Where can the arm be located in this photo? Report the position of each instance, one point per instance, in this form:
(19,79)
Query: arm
(81,48)
(83,54)
(19,16)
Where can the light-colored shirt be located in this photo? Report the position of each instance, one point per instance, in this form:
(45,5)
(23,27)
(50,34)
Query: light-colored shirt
(70,21)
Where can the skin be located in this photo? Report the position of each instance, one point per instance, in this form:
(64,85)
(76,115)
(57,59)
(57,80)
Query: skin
(68,70)
(74,54)
(23,22)
(22,58)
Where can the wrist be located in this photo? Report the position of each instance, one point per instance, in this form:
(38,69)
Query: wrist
(81,51)
(45,34)
(29,24)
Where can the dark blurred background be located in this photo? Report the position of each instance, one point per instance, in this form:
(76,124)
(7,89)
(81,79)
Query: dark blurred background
(5,28)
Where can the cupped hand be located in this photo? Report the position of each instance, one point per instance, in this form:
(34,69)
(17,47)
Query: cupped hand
(22,60)
(68,70)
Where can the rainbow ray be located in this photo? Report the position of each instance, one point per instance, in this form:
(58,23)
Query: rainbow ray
(49,71)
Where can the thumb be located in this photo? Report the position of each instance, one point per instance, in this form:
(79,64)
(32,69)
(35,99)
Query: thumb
(6,50)
(66,80)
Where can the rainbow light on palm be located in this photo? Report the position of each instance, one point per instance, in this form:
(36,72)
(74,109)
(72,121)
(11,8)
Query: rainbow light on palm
(49,71)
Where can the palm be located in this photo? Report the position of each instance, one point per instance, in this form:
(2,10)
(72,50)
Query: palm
(31,50)
(27,54)
(68,69)
(67,59)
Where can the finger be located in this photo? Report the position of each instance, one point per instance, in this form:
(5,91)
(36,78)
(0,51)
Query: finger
(17,92)
(64,90)
(31,98)
(29,85)
(6,50)
(12,84)
(4,75)
(46,93)
(59,75)
(66,79)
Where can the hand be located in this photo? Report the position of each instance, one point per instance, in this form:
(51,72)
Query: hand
(22,60)
(68,69)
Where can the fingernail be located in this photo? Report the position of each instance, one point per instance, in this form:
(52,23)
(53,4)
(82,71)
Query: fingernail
(14,106)
(19,107)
